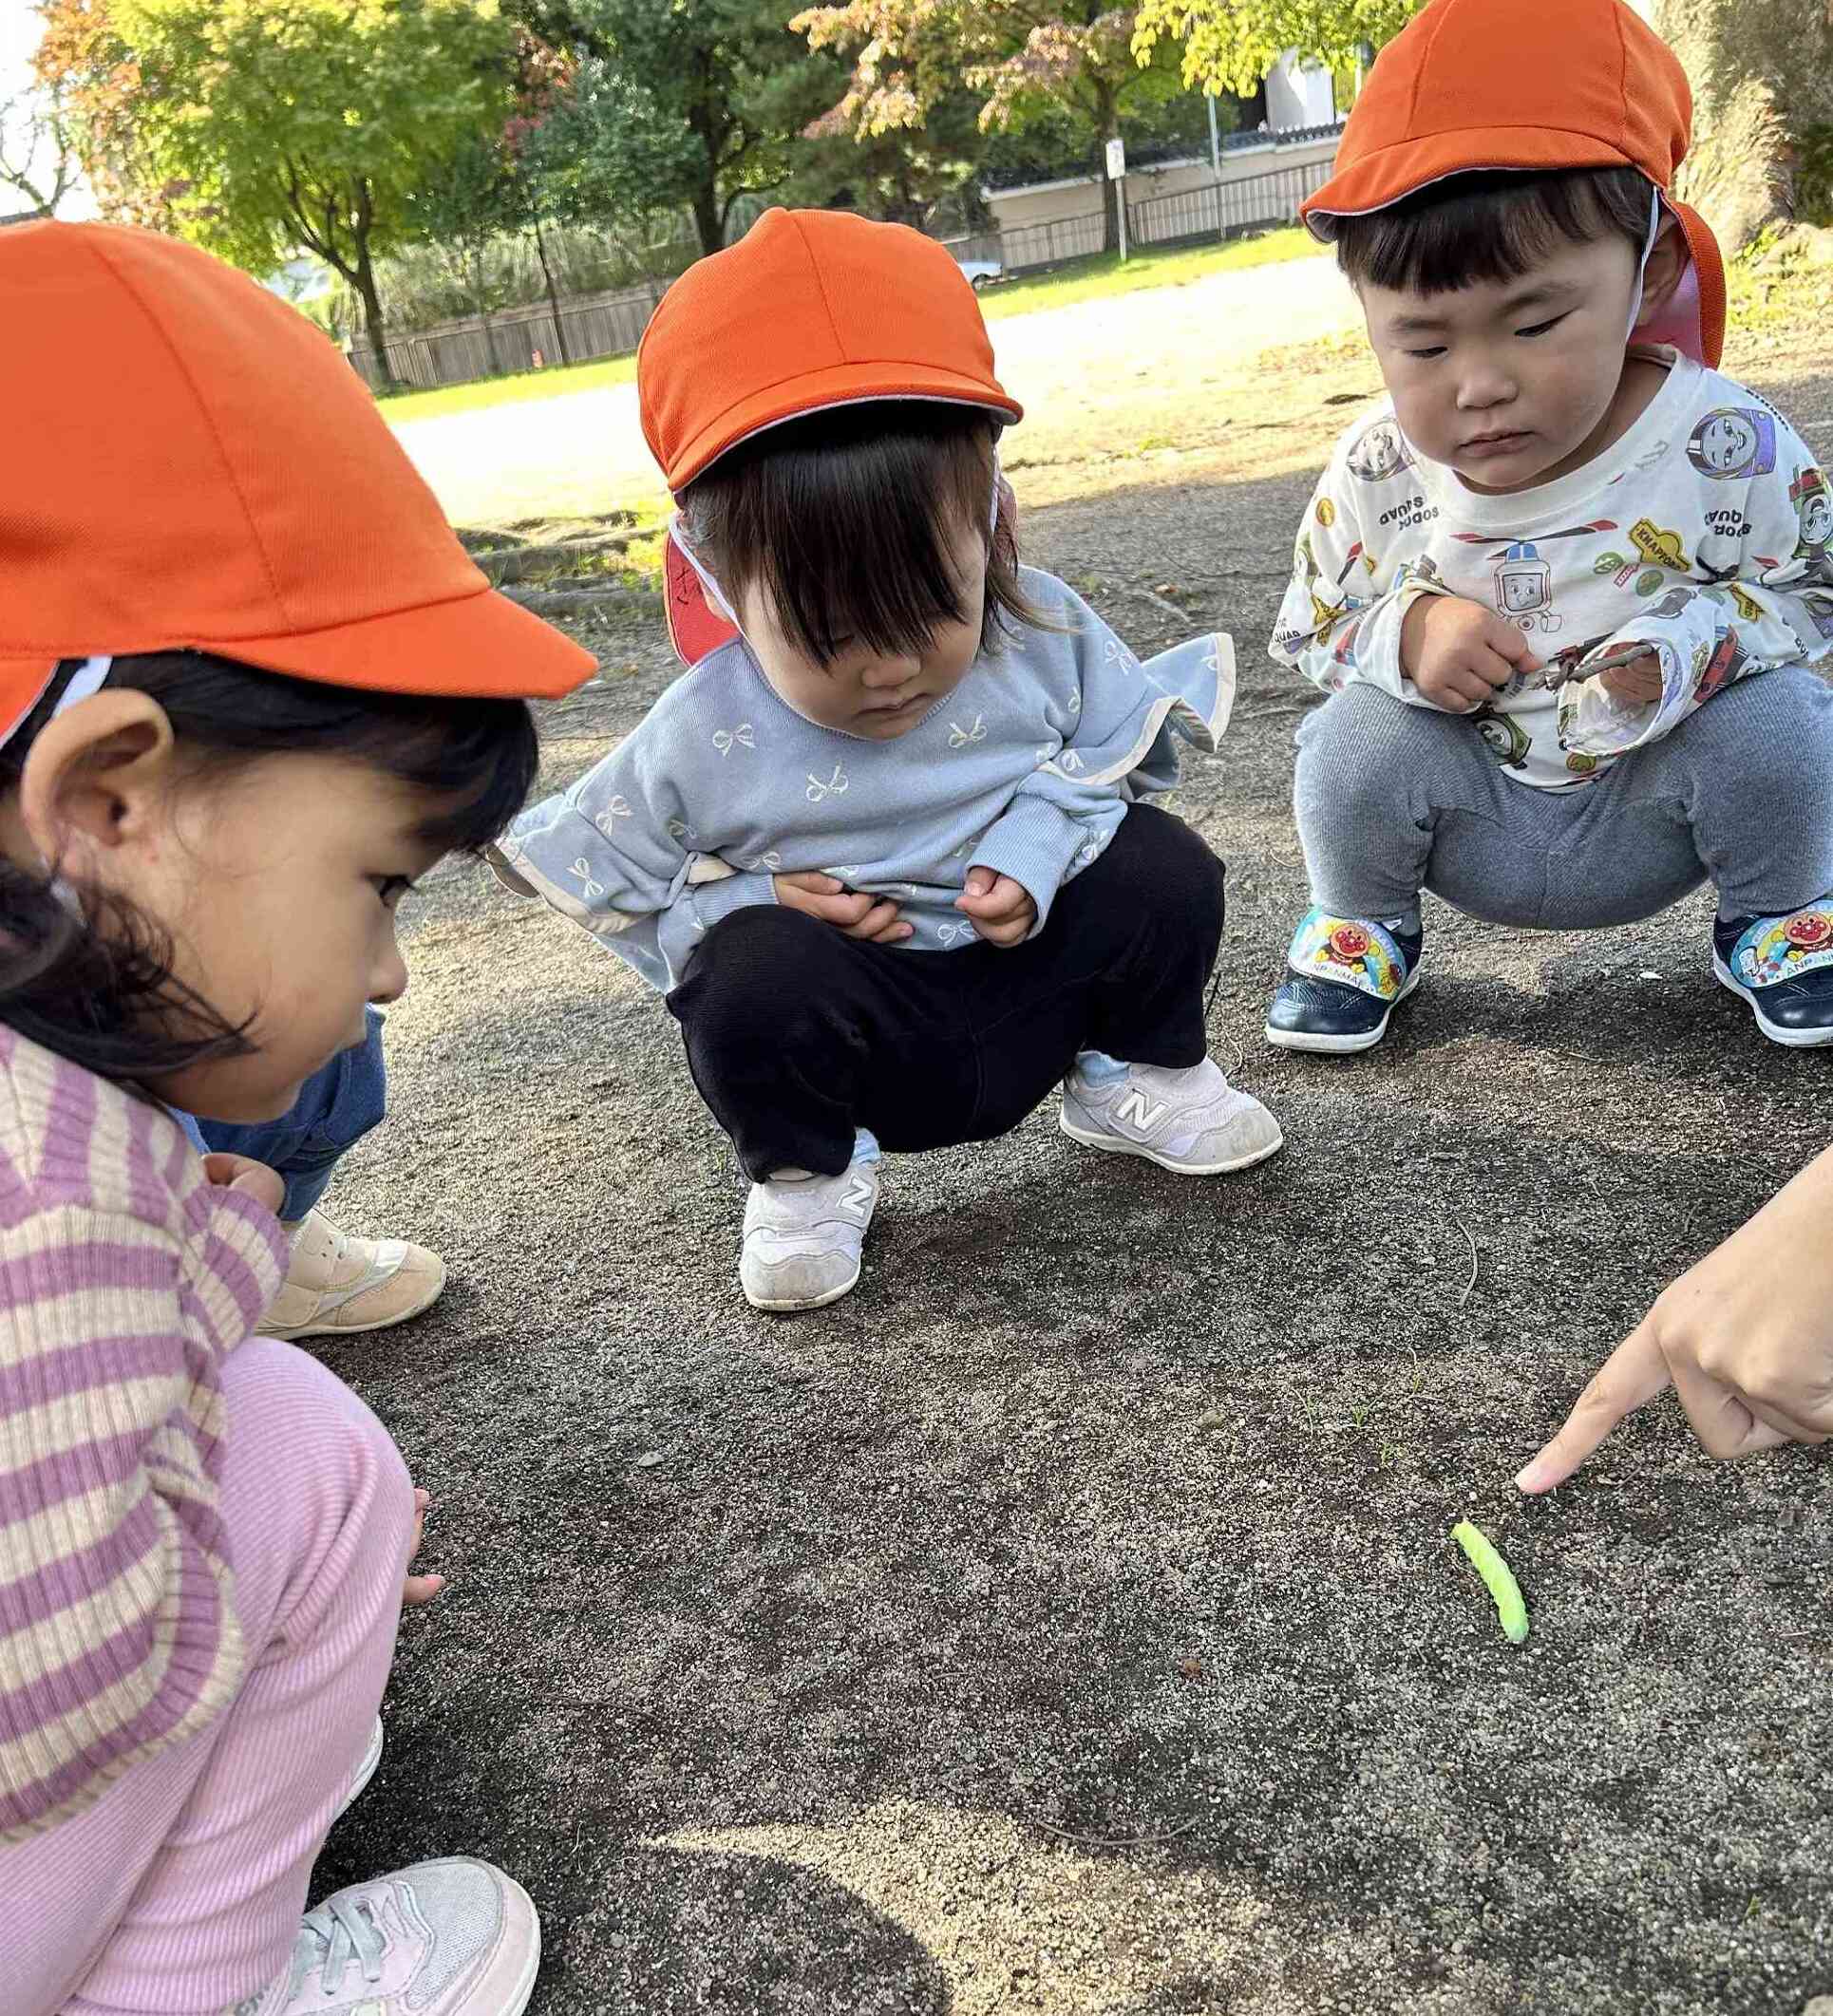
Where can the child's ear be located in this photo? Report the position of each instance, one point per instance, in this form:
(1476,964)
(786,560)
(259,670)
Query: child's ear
(1666,262)
(95,779)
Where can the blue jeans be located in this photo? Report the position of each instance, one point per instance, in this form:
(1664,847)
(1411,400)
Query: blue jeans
(335,1110)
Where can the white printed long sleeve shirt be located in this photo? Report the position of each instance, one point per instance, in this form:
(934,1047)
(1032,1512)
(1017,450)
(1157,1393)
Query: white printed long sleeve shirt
(1703,535)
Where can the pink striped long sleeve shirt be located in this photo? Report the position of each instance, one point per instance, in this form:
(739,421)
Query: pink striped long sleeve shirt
(126,1280)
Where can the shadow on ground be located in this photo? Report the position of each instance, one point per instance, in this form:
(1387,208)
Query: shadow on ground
(821,1665)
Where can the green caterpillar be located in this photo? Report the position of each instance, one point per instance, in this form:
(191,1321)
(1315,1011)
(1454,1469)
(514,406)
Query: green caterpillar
(1503,1588)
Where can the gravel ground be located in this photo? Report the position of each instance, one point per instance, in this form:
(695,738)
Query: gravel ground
(1066,1620)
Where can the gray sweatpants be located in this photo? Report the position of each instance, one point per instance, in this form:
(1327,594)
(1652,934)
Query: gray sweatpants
(1393,799)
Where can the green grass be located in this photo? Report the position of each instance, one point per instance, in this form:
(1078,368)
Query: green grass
(1096,279)
(508,391)
(1089,280)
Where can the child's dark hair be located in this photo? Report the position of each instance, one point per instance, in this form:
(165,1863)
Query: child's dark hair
(846,518)
(89,977)
(1493,225)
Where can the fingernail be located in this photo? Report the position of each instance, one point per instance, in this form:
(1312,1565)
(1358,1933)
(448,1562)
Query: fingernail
(1528,1479)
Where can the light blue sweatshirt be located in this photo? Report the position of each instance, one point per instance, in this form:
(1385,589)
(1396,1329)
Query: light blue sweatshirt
(1026,768)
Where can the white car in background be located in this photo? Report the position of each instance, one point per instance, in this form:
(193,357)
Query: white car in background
(982,273)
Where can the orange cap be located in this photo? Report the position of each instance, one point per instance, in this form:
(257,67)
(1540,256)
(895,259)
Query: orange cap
(1532,84)
(810,309)
(191,465)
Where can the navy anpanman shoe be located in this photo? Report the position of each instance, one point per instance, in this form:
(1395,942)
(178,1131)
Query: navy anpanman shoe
(1347,976)
(1782,966)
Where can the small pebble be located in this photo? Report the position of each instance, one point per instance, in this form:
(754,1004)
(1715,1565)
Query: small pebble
(1211,1421)
(1650,975)
(649,1460)
(1820,2006)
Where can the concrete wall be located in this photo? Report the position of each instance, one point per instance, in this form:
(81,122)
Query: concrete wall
(1298,96)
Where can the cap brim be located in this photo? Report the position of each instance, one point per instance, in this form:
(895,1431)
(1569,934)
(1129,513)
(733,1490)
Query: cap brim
(1391,174)
(835,385)
(479,646)
(695,627)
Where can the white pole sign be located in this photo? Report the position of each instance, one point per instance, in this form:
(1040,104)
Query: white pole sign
(1117,173)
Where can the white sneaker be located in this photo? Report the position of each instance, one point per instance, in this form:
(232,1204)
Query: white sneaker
(803,1239)
(338,1284)
(366,1766)
(1191,1121)
(448,1938)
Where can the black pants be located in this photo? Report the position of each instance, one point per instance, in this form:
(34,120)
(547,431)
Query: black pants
(796,1034)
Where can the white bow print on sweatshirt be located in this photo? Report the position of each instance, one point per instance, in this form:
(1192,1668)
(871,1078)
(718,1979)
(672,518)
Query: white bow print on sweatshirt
(724,738)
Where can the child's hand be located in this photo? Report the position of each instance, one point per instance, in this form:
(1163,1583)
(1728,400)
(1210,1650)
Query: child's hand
(1002,909)
(1636,683)
(253,1178)
(857,915)
(420,1588)
(1457,652)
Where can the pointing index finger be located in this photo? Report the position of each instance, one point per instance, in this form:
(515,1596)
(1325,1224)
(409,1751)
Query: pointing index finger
(1634,1373)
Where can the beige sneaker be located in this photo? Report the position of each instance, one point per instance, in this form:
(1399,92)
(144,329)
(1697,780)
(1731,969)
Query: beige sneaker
(448,1938)
(338,1284)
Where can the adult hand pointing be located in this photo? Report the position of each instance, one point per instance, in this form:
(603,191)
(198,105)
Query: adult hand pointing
(1745,1338)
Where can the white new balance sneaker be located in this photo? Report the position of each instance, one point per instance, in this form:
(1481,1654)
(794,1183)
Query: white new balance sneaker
(448,1938)
(1191,1121)
(802,1239)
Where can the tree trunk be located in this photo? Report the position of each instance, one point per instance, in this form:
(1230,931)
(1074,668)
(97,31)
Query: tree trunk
(552,296)
(374,323)
(1107,128)
(709,218)
(480,302)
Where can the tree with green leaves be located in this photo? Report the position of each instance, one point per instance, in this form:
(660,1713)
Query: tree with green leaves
(1022,59)
(84,66)
(1231,45)
(280,125)
(675,103)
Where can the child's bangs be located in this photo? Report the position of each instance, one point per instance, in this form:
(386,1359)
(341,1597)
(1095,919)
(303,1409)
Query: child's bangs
(1489,227)
(847,521)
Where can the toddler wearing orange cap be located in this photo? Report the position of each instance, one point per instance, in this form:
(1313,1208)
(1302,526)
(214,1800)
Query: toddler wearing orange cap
(250,689)
(1540,581)
(883,843)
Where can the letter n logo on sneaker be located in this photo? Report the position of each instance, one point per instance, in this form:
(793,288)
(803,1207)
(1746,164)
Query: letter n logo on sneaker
(858,1198)
(1138,1111)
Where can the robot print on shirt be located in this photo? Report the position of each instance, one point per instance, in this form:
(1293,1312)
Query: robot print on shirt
(1814,508)
(1524,580)
(1733,441)
(1378,452)
(1503,737)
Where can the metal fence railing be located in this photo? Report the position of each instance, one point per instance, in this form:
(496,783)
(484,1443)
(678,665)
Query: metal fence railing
(1219,209)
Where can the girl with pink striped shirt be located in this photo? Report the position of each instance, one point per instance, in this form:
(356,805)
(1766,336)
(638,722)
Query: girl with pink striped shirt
(250,689)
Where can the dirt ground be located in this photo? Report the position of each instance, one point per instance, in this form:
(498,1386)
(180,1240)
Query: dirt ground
(1066,1621)
(1148,361)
